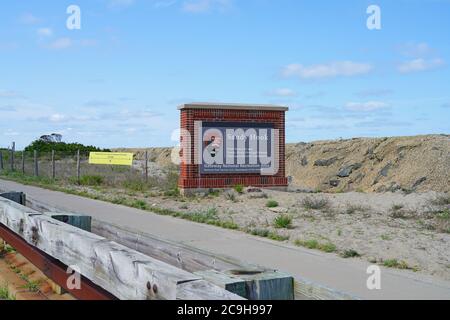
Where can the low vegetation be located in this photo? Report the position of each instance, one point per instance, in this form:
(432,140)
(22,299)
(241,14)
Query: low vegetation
(5,294)
(350,253)
(231,196)
(311,203)
(271,204)
(442,200)
(239,188)
(47,143)
(283,221)
(394,263)
(355,208)
(314,244)
(91,180)
(265,233)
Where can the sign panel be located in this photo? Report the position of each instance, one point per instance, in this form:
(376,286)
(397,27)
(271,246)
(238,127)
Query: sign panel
(234,147)
(113,158)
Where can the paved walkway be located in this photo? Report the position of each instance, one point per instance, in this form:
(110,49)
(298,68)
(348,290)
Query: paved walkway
(346,275)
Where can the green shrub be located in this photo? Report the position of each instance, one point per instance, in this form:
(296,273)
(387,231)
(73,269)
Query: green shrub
(311,203)
(91,180)
(45,146)
(5,294)
(140,204)
(230,195)
(355,208)
(314,244)
(239,188)
(272,204)
(172,193)
(350,253)
(444,215)
(283,221)
(394,263)
(264,233)
(135,185)
(260,232)
(205,216)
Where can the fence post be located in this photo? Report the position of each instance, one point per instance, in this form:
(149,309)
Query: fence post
(13,149)
(36,166)
(23,162)
(1,160)
(146,166)
(78,166)
(53,164)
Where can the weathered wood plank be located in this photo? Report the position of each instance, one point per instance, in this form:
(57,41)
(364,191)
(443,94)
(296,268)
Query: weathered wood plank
(185,257)
(123,272)
(195,290)
(306,289)
(253,282)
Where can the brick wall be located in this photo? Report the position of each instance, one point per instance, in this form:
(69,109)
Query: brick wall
(190,177)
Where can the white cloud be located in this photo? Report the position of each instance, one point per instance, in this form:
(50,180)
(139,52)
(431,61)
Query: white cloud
(283,92)
(413,49)
(202,6)
(329,70)
(29,18)
(57,117)
(420,64)
(366,106)
(61,43)
(45,32)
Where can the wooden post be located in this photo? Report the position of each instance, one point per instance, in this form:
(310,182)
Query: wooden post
(146,166)
(78,166)
(13,149)
(36,166)
(53,164)
(23,162)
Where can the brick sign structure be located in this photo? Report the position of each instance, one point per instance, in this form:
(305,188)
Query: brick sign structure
(224,145)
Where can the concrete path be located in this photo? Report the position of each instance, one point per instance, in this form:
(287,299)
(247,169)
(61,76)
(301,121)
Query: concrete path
(345,275)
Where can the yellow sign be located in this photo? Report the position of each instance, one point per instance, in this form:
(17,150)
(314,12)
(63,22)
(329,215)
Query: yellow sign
(117,158)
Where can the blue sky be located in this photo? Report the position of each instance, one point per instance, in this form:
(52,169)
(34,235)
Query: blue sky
(118,80)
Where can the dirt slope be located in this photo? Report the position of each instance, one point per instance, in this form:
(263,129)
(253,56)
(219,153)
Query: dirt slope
(419,163)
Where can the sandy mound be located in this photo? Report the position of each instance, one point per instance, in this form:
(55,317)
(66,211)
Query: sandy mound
(419,163)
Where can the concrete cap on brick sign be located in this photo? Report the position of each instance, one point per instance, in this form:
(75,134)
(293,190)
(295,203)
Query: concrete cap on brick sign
(232,106)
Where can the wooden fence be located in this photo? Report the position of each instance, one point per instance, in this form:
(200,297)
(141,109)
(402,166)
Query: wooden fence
(123,272)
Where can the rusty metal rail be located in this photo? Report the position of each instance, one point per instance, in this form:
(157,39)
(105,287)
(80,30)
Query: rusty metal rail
(54,269)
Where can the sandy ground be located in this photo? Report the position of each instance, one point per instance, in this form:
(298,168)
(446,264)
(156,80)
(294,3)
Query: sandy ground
(378,226)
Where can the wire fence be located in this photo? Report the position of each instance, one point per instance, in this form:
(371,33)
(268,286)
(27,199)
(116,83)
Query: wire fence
(74,167)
